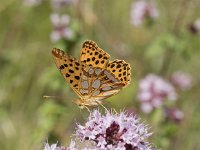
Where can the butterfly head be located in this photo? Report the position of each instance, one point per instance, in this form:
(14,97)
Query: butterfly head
(80,103)
(84,103)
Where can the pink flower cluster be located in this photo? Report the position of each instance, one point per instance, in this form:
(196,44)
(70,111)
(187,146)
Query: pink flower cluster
(195,27)
(173,114)
(32,2)
(57,4)
(55,147)
(153,91)
(181,80)
(61,29)
(111,131)
(142,10)
(114,131)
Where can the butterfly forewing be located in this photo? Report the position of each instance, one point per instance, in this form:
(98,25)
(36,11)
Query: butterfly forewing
(70,68)
(94,56)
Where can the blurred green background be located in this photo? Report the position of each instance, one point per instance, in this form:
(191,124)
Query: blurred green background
(27,69)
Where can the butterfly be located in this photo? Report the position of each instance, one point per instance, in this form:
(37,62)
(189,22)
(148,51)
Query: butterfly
(94,76)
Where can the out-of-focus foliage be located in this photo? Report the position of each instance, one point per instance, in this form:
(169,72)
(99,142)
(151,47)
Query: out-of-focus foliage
(160,44)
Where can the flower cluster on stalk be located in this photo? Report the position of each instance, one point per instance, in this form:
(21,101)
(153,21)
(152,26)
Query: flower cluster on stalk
(142,11)
(32,2)
(194,27)
(153,91)
(114,131)
(173,114)
(61,28)
(111,131)
(59,21)
(57,4)
(181,80)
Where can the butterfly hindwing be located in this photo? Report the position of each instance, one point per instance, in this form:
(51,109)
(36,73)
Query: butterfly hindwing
(121,70)
(98,83)
(89,80)
(70,68)
(109,86)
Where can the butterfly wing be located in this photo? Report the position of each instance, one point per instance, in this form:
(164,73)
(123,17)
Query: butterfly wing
(120,70)
(94,60)
(98,83)
(92,55)
(116,76)
(70,68)
(102,78)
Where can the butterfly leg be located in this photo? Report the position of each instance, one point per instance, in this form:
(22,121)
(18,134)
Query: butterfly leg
(102,105)
(87,109)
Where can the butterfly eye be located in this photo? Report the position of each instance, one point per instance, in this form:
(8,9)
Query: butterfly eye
(81,106)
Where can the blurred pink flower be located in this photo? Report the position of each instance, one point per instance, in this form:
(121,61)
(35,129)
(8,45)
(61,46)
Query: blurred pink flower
(181,80)
(61,28)
(32,2)
(174,114)
(62,3)
(55,147)
(153,90)
(142,10)
(195,27)
(114,131)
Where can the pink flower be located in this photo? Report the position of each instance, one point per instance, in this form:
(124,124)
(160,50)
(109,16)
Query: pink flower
(142,10)
(174,114)
(61,3)
(53,147)
(153,91)
(61,29)
(32,2)
(195,27)
(181,80)
(114,131)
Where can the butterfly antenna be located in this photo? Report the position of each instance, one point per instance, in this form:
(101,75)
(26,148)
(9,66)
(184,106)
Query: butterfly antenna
(81,112)
(54,97)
